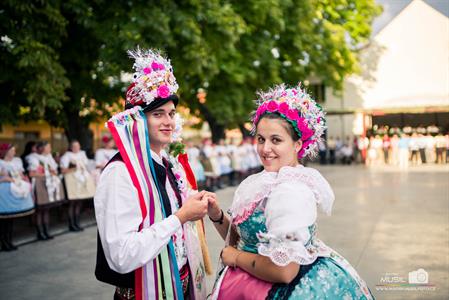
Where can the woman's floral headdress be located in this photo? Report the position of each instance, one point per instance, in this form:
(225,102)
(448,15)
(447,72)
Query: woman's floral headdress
(153,78)
(297,108)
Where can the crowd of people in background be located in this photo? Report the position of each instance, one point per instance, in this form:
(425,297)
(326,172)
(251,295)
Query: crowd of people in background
(401,148)
(39,181)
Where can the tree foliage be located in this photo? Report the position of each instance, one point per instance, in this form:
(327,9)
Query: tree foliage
(59,55)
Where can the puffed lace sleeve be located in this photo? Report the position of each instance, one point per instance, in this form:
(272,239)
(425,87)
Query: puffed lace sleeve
(65,160)
(289,211)
(33,162)
(3,170)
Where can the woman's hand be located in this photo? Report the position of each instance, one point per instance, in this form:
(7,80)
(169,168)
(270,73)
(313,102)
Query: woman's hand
(213,208)
(229,256)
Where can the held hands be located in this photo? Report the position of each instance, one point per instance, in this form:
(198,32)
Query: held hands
(195,207)
(213,208)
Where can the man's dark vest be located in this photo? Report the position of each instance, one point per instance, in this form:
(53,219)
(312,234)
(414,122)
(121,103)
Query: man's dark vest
(102,270)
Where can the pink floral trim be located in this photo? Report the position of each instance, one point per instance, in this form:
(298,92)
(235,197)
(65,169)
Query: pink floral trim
(239,219)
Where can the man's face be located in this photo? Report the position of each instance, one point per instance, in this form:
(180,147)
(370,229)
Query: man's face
(161,123)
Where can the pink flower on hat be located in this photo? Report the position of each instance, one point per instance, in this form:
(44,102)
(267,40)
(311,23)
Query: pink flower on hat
(147,71)
(163,91)
(154,66)
(292,114)
(306,133)
(283,108)
(272,106)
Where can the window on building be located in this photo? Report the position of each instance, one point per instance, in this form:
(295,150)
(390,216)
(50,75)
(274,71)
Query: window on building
(26,135)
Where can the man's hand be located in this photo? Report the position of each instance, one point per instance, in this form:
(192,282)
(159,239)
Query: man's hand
(195,208)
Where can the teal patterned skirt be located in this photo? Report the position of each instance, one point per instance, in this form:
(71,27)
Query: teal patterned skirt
(323,279)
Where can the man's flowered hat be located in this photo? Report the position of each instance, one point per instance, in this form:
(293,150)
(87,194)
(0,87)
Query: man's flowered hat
(153,82)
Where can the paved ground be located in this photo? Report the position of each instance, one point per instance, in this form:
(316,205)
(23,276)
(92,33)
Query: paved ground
(386,223)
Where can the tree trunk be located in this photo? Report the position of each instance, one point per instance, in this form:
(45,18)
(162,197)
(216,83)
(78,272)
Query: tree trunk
(218,130)
(245,132)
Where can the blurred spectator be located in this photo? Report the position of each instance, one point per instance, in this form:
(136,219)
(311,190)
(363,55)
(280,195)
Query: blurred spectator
(403,146)
(48,188)
(103,155)
(347,153)
(386,145)
(331,144)
(15,194)
(79,182)
(322,151)
(440,144)
(414,148)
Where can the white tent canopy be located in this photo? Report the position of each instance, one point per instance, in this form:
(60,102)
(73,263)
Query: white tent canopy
(412,69)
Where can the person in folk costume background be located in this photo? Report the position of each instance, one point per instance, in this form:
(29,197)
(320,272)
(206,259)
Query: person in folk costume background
(146,201)
(211,165)
(195,163)
(103,155)
(29,151)
(15,194)
(79,182)
(273,250)
(47,187)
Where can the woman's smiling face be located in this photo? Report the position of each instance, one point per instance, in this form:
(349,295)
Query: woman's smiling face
(275,145)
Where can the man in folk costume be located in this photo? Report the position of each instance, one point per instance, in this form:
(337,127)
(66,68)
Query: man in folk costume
(146,202)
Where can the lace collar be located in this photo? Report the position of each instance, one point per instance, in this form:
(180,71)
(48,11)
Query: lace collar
(258,187)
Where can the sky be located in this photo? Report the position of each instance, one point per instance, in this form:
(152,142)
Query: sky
(393,7)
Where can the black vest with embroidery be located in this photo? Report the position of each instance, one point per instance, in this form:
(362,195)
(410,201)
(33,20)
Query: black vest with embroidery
(102,270)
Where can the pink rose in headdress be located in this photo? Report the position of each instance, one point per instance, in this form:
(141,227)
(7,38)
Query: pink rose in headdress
(306,133)
(283,108)
(147,71)
(272,106)
(292,114)
(163,91)
(154,66)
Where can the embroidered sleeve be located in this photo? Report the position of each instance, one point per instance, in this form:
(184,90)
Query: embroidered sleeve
(290,211)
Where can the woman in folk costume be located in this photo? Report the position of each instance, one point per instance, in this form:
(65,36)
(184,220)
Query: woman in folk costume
(47,186)
(146,201)
(79,182)
(211,165)
(274,251)
(194,160)
(103,155)
(29,151)
(15,194)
